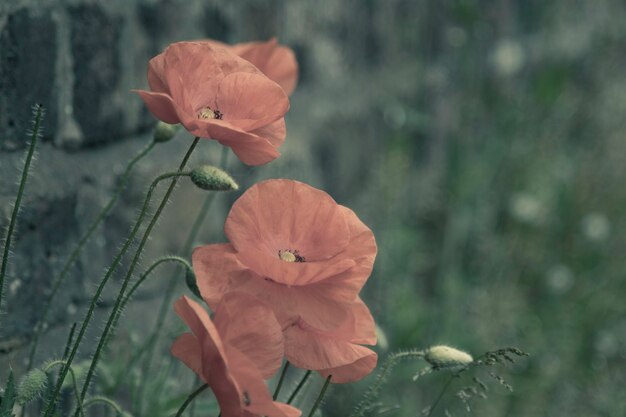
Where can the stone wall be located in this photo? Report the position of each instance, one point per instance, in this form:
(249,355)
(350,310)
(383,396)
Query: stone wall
(81,58)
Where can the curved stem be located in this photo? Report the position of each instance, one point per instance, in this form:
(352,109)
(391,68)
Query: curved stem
(20,194)
(104,400)
(74,383)
(281,380)
(295,392)
(440,396)
(108,327)
(52,404)
(190,399)
(320,397)
(170,289)
(39,327)
(143,277)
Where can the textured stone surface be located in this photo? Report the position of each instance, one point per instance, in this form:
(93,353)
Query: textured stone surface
(27,73)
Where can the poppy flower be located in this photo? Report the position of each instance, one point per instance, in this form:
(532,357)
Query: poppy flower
(215,94)
(338,352)
(294,247)
(276,61)
(234,353)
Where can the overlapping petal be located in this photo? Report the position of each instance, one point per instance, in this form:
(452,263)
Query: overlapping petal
(276,61)
(234,353)
(338,352)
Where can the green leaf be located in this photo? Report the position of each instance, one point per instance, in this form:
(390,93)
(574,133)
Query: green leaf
(8,400)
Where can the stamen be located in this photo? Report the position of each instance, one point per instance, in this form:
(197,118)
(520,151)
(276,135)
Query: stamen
(289,255)
(208,113)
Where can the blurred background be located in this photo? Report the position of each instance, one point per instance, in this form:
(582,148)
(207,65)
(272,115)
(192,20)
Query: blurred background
(483,142)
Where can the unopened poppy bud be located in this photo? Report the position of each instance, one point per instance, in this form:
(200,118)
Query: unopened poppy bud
(213,179)
(164,132)
(190,278)
(32,386)
(447,357)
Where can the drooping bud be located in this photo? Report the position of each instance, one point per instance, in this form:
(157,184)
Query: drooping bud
(190,278)
(33,384)
(442,356)
(164,132)
(211,178)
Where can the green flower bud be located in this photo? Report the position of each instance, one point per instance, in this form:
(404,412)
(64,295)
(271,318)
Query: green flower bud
(441,357)
(190,278)
(32,386)
(213,179)
(164,132)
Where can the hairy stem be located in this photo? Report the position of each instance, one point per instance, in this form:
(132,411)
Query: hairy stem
(103,400)
(39,327)
(52,404)
(73,376)
(108,327)
(169,291)
(38,109)
(374,389)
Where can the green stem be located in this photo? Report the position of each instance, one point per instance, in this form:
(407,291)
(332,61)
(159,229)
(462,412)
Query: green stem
(190,399)
(104,400)
(52,404)
(440,396)
(295,392)
(73,375)
(68,344)
(143,277)
(18,199)
(281,380)
(39,327)
(108,327)
(372,392)
(170,290)
(320,397)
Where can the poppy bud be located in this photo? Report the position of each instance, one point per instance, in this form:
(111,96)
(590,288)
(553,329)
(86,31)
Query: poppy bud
(447,357)
(190,279)
(164,132)
(213,179)
(32,386)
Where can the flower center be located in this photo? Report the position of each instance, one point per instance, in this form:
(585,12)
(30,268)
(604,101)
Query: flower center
(208,113)
(289,255)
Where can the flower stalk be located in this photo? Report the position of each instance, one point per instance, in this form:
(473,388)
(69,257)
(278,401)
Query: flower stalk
(38,116)
(52,404)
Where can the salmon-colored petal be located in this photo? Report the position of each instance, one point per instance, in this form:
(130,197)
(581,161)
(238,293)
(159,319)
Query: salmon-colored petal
(277,215)
(277,62)
(198,68)
(255,397)
(156,74)
(187,349)
(292,273)
(214,364)
(275,132)
(248,325)
(358,327)
(354,371)
(313,350)
(250,101)
(160,105)
(218,271)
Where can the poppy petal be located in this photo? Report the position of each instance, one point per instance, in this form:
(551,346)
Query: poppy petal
(160,105)
(248,325)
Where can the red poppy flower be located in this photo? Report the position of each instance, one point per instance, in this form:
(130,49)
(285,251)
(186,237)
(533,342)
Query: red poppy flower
(307,257)
(338,352)
(276,61)
(234,353)
(217,95)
